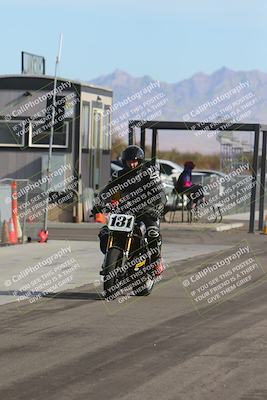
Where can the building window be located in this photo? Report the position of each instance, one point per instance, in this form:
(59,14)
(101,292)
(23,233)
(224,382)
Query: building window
(58,173)
(39,134)
(106,129)
(97,134)
(12,133)
(85,125)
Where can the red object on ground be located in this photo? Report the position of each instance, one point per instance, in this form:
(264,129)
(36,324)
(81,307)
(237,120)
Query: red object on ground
(43,235)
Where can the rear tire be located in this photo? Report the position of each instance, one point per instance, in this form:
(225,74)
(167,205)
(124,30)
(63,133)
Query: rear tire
(112,262)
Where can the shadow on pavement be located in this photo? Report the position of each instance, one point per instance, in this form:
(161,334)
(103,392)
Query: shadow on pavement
(60,295)
(74,296)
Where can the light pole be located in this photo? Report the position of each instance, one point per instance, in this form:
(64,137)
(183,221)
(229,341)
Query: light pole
(44,231)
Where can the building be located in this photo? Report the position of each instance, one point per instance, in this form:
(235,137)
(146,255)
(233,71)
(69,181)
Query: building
(82,129)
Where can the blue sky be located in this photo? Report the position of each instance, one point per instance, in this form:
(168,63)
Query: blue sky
(169,40)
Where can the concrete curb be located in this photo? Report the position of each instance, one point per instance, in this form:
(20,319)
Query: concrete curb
(227,227)
(33,229)
(164,226)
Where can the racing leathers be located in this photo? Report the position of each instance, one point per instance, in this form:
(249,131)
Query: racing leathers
(139,192)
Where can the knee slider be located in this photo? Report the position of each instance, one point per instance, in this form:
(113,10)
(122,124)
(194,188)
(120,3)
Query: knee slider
(153,232)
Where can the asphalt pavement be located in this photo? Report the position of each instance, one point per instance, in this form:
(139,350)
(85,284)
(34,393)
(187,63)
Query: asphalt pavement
(179,343)
(60,265)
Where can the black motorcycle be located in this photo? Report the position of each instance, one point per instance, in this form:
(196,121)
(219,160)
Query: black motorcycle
(127,264)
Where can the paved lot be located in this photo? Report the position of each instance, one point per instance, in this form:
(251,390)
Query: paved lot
(77,346)
(33,262)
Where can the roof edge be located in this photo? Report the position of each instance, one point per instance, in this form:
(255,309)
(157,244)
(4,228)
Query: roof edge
(77,82)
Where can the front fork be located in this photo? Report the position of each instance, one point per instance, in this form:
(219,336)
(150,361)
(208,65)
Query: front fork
(126,251)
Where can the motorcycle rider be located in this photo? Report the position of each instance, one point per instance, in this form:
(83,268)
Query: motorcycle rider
(137,189)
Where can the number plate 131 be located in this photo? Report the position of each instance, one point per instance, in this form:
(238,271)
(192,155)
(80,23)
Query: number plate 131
(121,222)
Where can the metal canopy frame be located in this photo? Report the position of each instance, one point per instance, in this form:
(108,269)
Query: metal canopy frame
(258,129)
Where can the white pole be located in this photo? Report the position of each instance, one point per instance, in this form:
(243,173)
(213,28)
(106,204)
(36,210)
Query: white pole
(51,135)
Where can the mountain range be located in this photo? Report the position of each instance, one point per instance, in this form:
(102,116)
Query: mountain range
(222,95)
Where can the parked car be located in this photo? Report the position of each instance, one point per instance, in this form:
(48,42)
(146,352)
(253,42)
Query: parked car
(115,166)
(205,177)
(170,168)
(210,172)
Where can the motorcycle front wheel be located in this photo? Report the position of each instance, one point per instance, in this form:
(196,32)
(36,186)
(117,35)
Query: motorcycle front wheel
(112,264)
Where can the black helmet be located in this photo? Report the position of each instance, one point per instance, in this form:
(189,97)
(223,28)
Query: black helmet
(132,153)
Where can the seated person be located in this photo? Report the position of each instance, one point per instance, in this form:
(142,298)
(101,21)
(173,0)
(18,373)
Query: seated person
(184,185)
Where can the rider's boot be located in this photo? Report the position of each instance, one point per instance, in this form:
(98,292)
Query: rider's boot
(159,267)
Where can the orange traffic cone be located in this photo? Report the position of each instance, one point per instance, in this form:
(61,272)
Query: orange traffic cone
(5,233)
(17,226)
(12,233)
(265,226)
(99,217)
(15,215)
